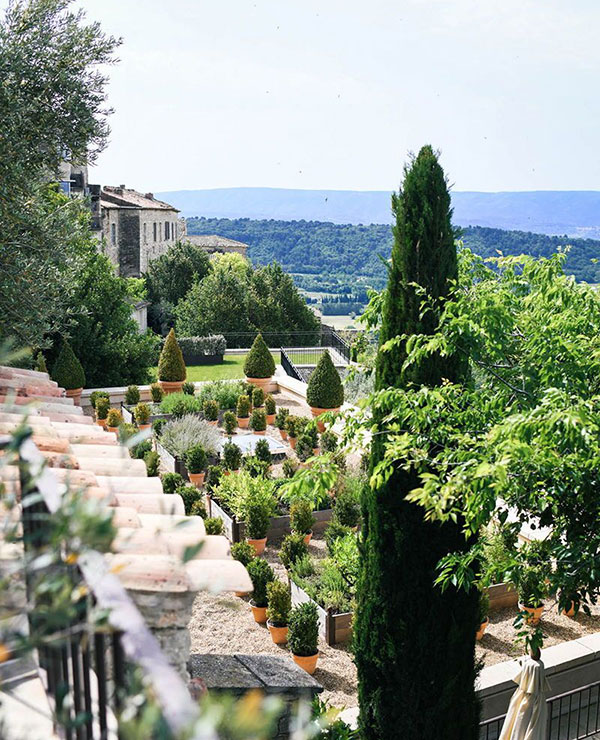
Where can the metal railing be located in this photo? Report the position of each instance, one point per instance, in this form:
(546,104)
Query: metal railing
(288,366)
(330,338)
(574,715)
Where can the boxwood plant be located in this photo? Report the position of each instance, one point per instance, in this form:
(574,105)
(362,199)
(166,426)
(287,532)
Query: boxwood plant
(67,370)
(171,367)
(261,574)
(259,361)
(325,389)
(132,395)
(303,636)
(279,603)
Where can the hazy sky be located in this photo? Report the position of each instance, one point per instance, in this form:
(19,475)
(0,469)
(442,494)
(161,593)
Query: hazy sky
(333,93)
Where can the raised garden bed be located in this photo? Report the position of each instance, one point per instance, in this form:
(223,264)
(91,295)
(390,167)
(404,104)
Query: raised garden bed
(128,418)
(279,526)
(171,463)
(502,595)
(333,628)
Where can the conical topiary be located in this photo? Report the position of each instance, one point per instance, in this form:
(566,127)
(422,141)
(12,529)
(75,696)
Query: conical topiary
(260,362)
(40,363)
(67,370)
(171,367)
(325,390)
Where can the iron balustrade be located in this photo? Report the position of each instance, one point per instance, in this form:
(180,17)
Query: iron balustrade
(288,366)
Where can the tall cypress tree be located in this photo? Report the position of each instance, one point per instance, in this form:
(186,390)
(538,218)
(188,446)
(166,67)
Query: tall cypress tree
(414,645)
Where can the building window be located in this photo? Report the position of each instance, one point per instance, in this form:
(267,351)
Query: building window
(174,231)
(145,233)
(154,229)
(167,234)
(113,234)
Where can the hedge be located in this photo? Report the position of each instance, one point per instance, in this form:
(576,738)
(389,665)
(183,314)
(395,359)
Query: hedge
(214,344)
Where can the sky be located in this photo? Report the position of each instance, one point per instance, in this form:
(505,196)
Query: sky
(332,94)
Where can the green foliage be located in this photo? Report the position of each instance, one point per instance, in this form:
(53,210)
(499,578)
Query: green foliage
(40,364)
(232,456)
(67,370)
(262,451)
(171,482)
(189,494)
(347,505)
(199,509)
(303,636)
(294,425)
(259,362)
(132,395)
(329,441)
(333,728)
(238,492)
(139,450)
(325,388)
(270,406)
(188,388)
(95,395)
(243,407)
(152,460)
(171,366)
(224,392)
(195,459)
(114,418)
(213,477)
(304,447)
(281,418)
(229,422)
(156,392)
(334,531)
(484,607)
(258,420)
(157,426)
(243,552)
(258,398)
(211,410)
(102,407)
(258,519)
(301,517)
(279,603)
(289,468)
(180,404)
(261,574)
(292,549)
(142,413)
(312,484)
(255,467)
(213,525)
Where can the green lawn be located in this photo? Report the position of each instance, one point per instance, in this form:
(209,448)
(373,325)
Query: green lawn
(232,367)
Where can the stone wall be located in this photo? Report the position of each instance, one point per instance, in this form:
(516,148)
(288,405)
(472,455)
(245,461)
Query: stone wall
(150,249)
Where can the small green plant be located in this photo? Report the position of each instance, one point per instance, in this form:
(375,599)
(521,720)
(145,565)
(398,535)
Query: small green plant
(213,525)
(243,552)
(213,477)
(257,468)
(126,432)
(195,459)
(262,451)
(329,441)
(171,482)
(281,418)
(311,433)
(211,410)
(258,520)
(294,425)
(229,422)
(152,460)
(67,370)
(139,450)
(95,395)
(484,606)
(114,418)
(243,407)
(189,494)
(232,456)
(180,404)
(270,407)
(258,420)
(335,531)
(40,365)
(261,574)
(171,367)
(102,407)
(258,398)
(289,468)
(279,603)
(188,388)
(199,509)
(301,517)
(303,637)
(292,549)
(304,447)
(132,395)
(142,413)
(157,426)
(156,393)
(259,361)
(347,508)
(325,389)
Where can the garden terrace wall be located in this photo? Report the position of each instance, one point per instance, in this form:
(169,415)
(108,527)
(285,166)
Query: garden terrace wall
(333,627)
(279,525)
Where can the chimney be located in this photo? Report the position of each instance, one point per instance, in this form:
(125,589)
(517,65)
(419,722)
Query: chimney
(122,187)
(150,196)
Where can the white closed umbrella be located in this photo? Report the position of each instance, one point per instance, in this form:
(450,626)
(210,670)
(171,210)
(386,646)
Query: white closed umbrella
(527,714)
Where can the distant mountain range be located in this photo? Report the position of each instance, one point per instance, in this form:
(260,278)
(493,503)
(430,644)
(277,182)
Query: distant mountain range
(574,213)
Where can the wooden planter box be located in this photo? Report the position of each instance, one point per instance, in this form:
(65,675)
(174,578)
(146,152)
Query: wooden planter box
(333,628)
(280,525)
(502,595)
(128,418)
(192,358)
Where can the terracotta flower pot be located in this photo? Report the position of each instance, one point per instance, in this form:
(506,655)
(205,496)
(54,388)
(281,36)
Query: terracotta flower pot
(197,479)
(307,662)
(141,427)
(570,612)
(534,613)
(258,545)
(284,434)
(171,386)
(101,423)
(315,451)
(259,613)
(270,419)
(316,412)
(482,628)
(240,594)
(214,423)
(262,433)
(292,441)
(278,634)
(308,537)
(75,394)
(264,383)
(243,422)
(112,429)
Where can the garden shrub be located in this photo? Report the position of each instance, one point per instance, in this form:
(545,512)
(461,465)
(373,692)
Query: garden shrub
(102,407)
(171,367)
(261,574)
(301,517)
(294,425)
(188,388)
(347,506)
(95,395)
(243,407)
(213,525)
(224,392)
(156,393)
(281,418)
(232,456)
(132,395)
(345,555)
(229,422)
(262,451)
(329,441)
(195,459)
(180,404)
(67,370)
(213,477)
(214,344)
(142,413)
(199,509)
(189,494)
(40,365)
(259,361)
(152,460)
(279,603)
(334,531)
(257,468)
(484,606)
(325,388)
(304,447)
(158,425)
(238,492)
(114,418)
(179,435)
(270,406)
(211,410)
(258,518)
(258,420)
(243,552)
(258,398)
(138,451)
(292,549)
(289,468)
(126,431)
(171,482)
(303,636)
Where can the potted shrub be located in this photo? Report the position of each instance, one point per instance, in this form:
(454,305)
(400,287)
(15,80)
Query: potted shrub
(302,519)
(304,447)
(312,437)
(263,452)
(113,420)
(188,388)
(484,620)
(195,463)
(243,412)
(258,398)
(156,393)
(324,391)
(259,365)
(213,525)
(257,525)
(232,457)
(142,415)
(289,468)
(244,553)
(329,441)
(102,407)
(211,412)
(95,395)
(261,574)
(68,373)
(40,364)
(258,421)
(229,422)
(270,409)
(171,367)
(132,395)
(531,588)
(294,426)
(303,636)
(279,606)
(293,548)
(280,422)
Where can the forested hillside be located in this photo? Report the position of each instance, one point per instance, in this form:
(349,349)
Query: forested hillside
(343,258)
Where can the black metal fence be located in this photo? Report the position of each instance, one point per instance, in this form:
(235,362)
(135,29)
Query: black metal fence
(289,367)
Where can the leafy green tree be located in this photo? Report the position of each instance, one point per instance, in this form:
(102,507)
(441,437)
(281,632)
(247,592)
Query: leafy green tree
(414,643)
